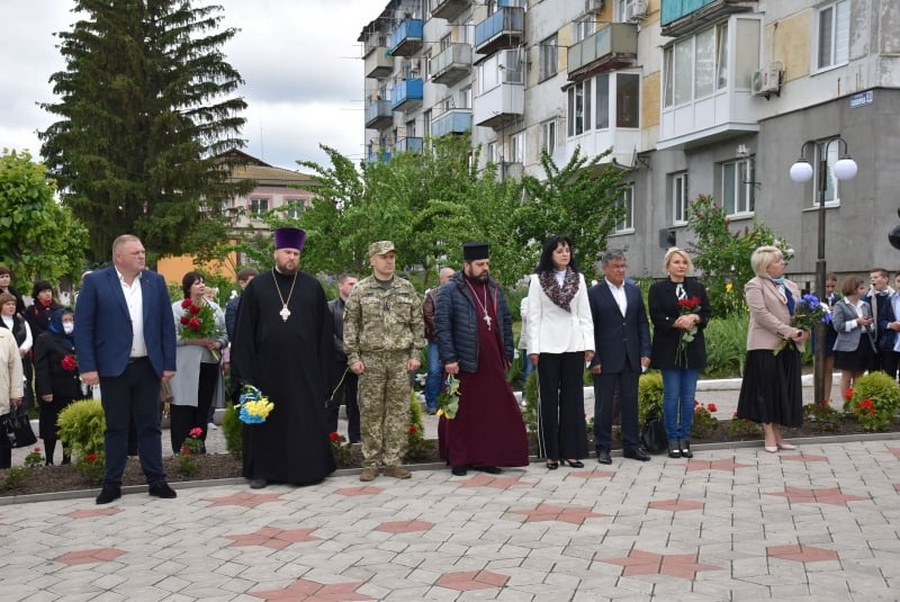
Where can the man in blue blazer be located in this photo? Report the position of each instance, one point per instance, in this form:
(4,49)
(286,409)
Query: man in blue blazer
(622,344)
(125,339)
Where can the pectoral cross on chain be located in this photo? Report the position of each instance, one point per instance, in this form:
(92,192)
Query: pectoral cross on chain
(285,313)
(487,319)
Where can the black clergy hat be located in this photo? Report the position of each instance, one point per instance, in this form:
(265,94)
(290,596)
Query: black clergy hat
(473,251)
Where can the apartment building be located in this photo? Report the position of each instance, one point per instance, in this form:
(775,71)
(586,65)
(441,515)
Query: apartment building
(692,97)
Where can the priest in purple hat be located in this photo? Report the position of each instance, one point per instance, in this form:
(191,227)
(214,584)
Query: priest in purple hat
(283,346)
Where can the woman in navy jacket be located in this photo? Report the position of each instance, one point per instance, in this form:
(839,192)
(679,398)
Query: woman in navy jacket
(679,309)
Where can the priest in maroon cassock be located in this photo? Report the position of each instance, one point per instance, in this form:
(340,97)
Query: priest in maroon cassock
(474,334)
(283,346)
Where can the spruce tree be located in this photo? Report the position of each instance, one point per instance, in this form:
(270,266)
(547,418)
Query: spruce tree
(146,103)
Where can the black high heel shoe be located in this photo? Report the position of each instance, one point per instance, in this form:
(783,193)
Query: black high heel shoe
(552,465)
(573,463)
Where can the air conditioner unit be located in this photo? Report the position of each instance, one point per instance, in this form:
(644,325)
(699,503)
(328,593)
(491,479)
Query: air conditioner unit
(593,6)
(766,81)
(635,10)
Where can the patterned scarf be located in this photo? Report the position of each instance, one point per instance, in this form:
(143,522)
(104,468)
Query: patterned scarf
(560,295)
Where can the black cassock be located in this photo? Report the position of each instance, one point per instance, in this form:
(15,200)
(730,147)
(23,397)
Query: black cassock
(288,360)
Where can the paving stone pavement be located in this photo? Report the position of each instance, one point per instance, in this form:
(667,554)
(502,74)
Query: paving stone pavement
(819,523)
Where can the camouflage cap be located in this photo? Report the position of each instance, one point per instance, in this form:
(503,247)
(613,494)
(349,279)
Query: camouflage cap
(381,247)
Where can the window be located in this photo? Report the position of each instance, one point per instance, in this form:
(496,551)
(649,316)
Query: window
(831,182)
(678,193)
(411,128)
(697,66)
(426,124)
(490,153)
(833,35)
(628,88)
(580,108)
(517,148)
(258,206)
(626,202)
(549,58)
(464,98)
(739,186)
(583,28)
(294,207)
(548,136)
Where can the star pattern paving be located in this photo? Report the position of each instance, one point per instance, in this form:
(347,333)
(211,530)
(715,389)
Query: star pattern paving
(639,562)
(405,526)
(801,553)
(243,498)
(676,505)
(90,556)
(270,537)
(472,580)
(92,512)
(569,514)
(832,496)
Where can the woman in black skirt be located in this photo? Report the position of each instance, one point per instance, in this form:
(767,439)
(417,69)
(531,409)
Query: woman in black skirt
(771,392)
(852,321)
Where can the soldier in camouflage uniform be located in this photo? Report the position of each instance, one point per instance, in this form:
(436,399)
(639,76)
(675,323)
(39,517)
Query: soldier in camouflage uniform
(383,336)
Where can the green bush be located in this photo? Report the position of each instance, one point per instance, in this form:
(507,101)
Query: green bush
(874,401)
(233,430)
(704,423)
(419,449)
(650,394)
(726,346)
(81,426)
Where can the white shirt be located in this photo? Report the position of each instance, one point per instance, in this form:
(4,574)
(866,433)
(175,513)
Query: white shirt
(134,299)
(618,293)
(29,341)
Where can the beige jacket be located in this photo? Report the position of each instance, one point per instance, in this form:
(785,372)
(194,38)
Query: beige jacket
(770,320)
(11,379)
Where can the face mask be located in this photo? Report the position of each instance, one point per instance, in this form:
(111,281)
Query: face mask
(68,327)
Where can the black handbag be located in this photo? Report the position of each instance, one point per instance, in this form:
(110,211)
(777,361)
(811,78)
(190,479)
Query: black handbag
(653,434)
(15,431)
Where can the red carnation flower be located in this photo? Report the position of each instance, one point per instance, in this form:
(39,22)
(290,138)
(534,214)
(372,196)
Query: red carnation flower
(90,458)
(712,407)
(186,303)
(334,437)
(194,309)
(412,429)
(196,432)
(848,394)
(185,320)
(193,324)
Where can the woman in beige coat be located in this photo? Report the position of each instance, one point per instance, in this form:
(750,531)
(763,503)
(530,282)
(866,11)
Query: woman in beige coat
(771,391)
(11,384)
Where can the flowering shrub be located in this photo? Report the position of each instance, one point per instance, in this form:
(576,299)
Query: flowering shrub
(418,448)
(192,446)
(704,422)
(874,401)
(34,458)
(81,426)
(341,451)
(822,417)
(743,429)
(90,466)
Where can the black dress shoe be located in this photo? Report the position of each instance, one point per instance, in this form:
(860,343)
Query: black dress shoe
(458,471)
(573,463)
(162,490)
(636,454)
(258,483)
(488,468)
(674,449)
(685,449)
(603,456)
(109,493)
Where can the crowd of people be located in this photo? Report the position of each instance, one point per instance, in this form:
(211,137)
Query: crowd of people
(309,356)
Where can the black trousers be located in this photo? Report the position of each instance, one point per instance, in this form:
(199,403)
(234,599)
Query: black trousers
(134,394)
(184,418)
(561,430)
(345,394)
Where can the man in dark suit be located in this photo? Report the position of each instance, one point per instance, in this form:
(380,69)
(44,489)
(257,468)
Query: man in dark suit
(344,384)
(125,337)
(622,343)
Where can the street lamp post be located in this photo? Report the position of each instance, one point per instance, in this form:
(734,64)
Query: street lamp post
(844,169)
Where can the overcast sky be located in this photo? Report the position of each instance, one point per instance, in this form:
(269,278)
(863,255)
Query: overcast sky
(299,58)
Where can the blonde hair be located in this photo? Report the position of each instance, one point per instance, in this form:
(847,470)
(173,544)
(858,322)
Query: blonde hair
(762,258)
(676,251)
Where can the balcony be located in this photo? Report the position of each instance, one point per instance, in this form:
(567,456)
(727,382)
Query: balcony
(454,121)
(681,17)
(409,145)
(452,65)
(726,114)
(378,155)
(504,29)
(613,47)
(500,105)
(407,95)
(450,9)
(406,40)
(379,64)
(379,114)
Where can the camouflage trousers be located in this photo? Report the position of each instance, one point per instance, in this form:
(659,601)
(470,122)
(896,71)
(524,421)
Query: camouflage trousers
(383,398)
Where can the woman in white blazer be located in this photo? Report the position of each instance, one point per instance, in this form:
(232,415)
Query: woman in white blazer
(560,342)
(854,348)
